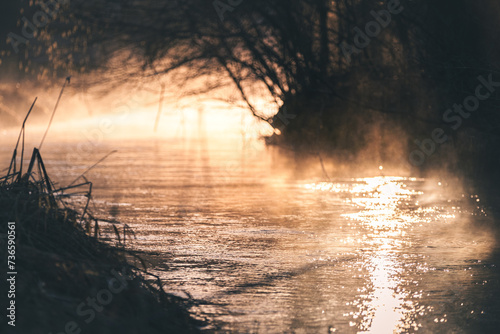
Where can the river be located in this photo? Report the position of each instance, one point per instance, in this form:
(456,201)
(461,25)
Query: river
(271,249)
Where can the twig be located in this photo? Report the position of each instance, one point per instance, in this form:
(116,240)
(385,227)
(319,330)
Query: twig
(14,155)
(54,112)
(162,92)
(88,169)
(323,167)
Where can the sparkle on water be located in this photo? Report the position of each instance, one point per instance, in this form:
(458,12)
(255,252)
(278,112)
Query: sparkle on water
(387,308)
(275,253)
(379,197)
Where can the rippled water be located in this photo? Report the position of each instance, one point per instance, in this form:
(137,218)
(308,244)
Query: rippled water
(274,251)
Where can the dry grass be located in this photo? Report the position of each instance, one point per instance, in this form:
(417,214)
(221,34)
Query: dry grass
(61,262)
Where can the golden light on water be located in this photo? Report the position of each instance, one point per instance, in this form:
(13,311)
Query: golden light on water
(389,210)
(354,254)
(381,230)
(205,141)
(380,197)
(385,304)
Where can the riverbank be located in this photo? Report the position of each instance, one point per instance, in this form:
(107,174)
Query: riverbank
(62,277)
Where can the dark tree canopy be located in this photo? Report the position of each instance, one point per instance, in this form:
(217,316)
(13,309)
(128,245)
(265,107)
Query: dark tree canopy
(337,66)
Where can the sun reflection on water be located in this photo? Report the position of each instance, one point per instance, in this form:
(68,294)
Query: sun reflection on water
(385,306)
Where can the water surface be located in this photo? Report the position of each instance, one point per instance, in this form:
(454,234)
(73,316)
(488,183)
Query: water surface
(273,251)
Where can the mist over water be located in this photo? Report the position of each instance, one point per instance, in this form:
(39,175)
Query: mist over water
(275,246)
(291,166)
